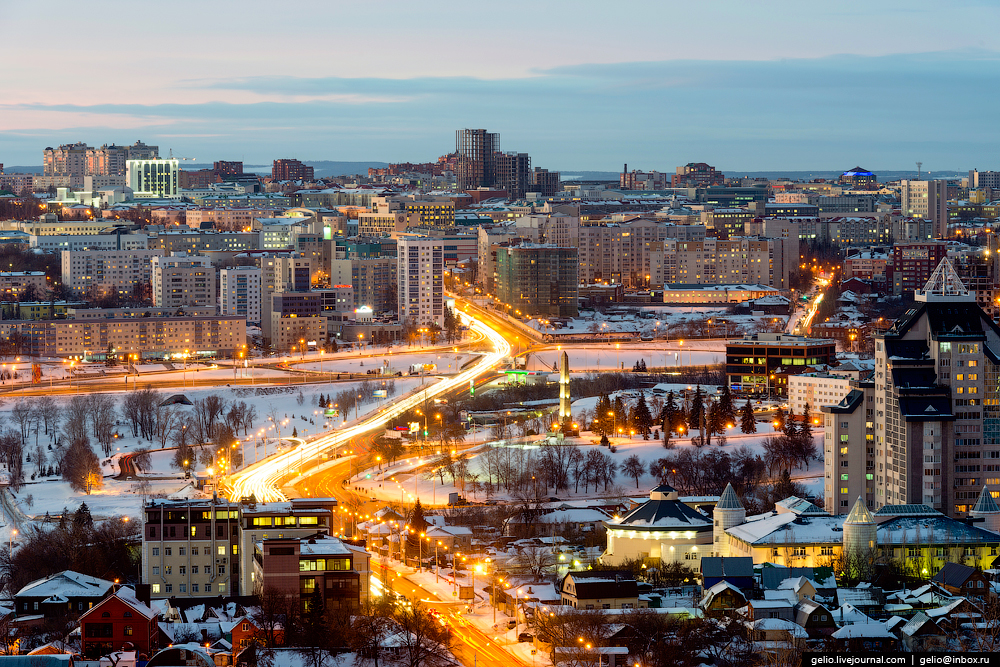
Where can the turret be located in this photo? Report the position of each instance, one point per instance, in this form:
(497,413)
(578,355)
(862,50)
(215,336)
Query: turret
(860,532)
(986,508)
(728,512)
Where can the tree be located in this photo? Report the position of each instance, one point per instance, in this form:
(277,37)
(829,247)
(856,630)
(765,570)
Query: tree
(23,415)
(805,430)
(620,413)
(534,560)
(101,413)
(697,411)
(603,422)
(748,422)
(634,468)
(779,419)
(790,428)
(423,642)
(642,420)
(726,407)
(81,468)
(141,459)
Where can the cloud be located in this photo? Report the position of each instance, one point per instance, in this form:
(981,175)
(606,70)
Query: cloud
(822,113)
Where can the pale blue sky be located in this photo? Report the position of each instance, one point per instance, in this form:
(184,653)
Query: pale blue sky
(579,85)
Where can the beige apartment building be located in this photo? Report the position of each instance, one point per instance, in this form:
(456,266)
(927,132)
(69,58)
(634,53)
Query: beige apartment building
(183,280)
(107,271)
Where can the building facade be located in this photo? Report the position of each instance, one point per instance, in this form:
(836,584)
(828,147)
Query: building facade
(538,280)
(239,292)
(153,179)
(183,280)
(104,272)
(928,200)
(291,170)
(762,362)
(420,274)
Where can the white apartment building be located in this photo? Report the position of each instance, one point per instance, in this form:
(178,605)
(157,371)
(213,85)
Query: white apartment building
(816,390)
(276,233)
(58,243)
(926,199)
(239,292)
(183,280)
(107,271)
(228,219)
(421,279)
(740,260)
(153,179)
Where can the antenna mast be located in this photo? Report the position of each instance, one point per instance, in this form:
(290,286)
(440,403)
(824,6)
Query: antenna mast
(919,165)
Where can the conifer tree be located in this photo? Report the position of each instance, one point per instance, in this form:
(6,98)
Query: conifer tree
(748,423)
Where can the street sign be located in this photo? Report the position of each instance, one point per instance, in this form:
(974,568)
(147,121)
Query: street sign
(466,593)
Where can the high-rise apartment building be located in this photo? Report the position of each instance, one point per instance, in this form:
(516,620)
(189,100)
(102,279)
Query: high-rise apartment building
(926,429)
(183,280)
(66,160)
(153,178)
(476,158)
(513,173)
(239,292)
(913,264)
(226,168)
(926,199)
(281,272)
(103,272)
(421,279)
(538,280)
(290,170)
(373,280)
(546,183)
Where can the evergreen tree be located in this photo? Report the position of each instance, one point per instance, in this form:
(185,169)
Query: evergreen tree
(728,410)
(322,400)
(642,420)
(779,419)
(697,410)
(602,421)
(604,440)
(805,431)
(791,430)
(620,413)
(748,423)
(83,518)
(668,415)
(295,432)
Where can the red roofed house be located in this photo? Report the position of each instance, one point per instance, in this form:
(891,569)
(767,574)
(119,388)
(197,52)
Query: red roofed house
(118,622)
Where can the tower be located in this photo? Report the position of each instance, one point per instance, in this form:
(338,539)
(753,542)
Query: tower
(859,531)
(728,512)
(987,509)
(564,404)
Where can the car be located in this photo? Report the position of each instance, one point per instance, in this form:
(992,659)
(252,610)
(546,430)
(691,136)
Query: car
(525,637)
(511,625)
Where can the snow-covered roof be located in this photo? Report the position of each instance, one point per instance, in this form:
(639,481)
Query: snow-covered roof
(847,614)
(66,584)
(868,630)
(765,624)
(789,528)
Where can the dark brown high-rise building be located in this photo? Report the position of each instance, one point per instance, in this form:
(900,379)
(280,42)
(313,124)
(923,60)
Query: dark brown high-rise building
(546,182)
(477,151)
(697,175)
(291,170)
(513,173)
(224,168)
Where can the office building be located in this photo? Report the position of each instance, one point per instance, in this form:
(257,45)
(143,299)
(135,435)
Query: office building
(384,223)
(421,279)
(183,280)
(539,280)
(153,179)
(239,292)
(290,170)
(194,242)
(476,158)
(761,363)
(422,211)
(926,199)
(98,273)
(926,430)
(58,243)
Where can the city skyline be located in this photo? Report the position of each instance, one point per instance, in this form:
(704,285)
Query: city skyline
(797,89)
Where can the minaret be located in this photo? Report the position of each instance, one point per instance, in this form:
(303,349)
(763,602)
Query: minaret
(987,509)
(564,404)
(728,512)
(859,530)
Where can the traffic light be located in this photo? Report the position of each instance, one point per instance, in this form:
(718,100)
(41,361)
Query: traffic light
(368,476)
(426,433)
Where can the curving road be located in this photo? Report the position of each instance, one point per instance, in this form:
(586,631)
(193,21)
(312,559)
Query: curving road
(263,479)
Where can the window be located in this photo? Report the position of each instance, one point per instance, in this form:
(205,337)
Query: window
(222,569)
(194,569)
(128,630)
(182,569)
(245,627)
(169,588)
(168,569)
(156,570)
(156,551)
(194,551)
(194,588)
(167,551)
(221,550)
(181,551)
(183,588)
(156,588)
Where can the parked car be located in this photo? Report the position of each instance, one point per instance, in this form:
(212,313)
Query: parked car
(525,637)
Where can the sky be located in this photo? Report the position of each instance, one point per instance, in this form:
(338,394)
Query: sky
(582,85)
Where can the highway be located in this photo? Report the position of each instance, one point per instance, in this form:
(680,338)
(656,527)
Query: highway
(263,479)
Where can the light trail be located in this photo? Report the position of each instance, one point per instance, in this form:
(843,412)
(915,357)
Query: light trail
(262,479)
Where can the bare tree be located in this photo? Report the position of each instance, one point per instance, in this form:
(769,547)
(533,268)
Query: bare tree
(101,409)
(81,468)
(22,415)
(50,414)
(141,460)
(167,420)
(40,459)
(77,411)
(12,452)
(535,560)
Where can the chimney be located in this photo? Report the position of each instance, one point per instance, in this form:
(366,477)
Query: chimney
(142,593)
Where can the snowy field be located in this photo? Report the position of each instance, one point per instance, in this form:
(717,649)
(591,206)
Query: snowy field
(399,482)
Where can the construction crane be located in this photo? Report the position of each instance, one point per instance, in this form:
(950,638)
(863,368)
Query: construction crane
(173,157)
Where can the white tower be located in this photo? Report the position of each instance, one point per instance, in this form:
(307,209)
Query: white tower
(987,509)
(859,530)
(728,513)
(565,406)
